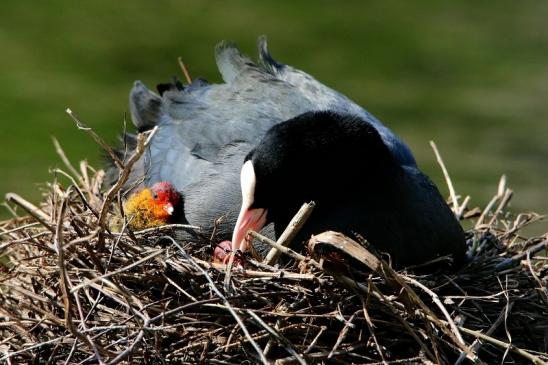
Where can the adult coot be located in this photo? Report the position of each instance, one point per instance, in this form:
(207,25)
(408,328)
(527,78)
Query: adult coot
(341,162)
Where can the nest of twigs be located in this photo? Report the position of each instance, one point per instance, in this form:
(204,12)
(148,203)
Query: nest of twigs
(73,292)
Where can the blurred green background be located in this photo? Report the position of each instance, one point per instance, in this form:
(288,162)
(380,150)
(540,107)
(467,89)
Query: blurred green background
(471,75)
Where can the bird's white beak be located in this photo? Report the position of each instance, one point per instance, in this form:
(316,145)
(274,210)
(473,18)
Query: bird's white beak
(169,208)
(249,218)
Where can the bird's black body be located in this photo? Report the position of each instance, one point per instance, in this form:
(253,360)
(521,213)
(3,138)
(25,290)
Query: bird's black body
(363,178)
(341,163)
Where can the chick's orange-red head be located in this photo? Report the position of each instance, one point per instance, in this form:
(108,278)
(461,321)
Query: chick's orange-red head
(152,207)
(164,199)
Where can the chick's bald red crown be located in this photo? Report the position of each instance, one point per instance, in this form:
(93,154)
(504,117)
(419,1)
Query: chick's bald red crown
(166,198)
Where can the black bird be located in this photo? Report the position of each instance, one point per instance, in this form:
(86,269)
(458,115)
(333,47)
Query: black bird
(341,162)
(206,130)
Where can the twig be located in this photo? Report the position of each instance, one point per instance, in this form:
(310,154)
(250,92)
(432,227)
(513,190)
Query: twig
(494,199)
(96,138)
(34,347)
(13,230)
(33,210)
(226,303)
(287,251)
(447,178)
(80,193)
(65,159)
(342,336)
(514,260)
(315,340)
(165,227)
(124,175)
(437,301)
(115,272)
(184,69)
(395,280)
(372,330)
(278,274)
(476,345)
(320,355)
(529,356)
(63,280)
(290,232)
(503,202)
(279,337)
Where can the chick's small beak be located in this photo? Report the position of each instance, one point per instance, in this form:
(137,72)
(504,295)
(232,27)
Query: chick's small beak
(168,207)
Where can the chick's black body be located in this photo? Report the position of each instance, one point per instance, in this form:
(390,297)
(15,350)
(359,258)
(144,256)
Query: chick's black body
(341,163)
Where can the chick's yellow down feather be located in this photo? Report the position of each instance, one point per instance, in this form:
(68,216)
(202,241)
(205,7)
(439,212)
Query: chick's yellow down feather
(143,211)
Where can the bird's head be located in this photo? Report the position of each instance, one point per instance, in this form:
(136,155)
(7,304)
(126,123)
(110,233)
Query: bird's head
(152,207)
(315,156)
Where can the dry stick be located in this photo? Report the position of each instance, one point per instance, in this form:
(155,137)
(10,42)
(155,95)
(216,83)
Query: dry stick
(320,355)
(497,196)
(10,209)
(437,301)
(184,69)
(65,159)
(410,360)
(124,170)
(163,228)
(124,175)
(529,356)
(270,342)
(115,272)
(503,202)
(290,232)
(309,261)
(342,335)
(63,279)
(225,302)
(287,251)
(447,178)
(229,345)
(188,295)
(315,340)
(85,177)
(83,198)
(543,289)
(476,345)
(96,138)
(463,206)
(33,210)
(404,323)
(6,232)
(83,323)
(122,356)
(522,220)
(509,262)
(392,277)
(279,337)
(454,336)
(279,274)
(371,329)
(33,347)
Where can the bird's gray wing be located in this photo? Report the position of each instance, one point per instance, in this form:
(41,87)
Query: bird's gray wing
(326,98)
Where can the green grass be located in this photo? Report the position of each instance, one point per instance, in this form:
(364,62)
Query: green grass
(470,75)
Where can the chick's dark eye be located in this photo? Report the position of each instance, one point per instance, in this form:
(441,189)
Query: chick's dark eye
(155,195)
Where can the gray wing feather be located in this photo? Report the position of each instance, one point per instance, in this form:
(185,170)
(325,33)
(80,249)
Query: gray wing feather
(197,121)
